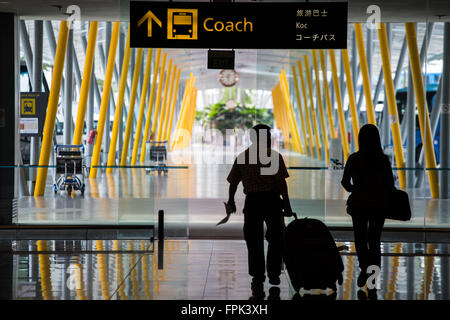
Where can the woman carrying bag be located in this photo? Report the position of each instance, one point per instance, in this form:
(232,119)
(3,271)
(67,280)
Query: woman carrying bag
(368,176)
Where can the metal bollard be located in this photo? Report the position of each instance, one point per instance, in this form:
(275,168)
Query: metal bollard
(161,225)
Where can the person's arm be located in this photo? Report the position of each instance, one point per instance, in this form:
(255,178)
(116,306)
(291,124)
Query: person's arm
(231,193)
(346,178)
(234,177)
(286,203)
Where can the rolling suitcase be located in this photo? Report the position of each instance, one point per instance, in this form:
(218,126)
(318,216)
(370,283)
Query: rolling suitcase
(311,256)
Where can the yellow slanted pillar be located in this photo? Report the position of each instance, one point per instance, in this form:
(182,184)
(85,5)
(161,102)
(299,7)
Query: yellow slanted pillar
(290,112)
(105,99)
(86,82)
(119,106)
(52,108)
(168,129)
(129,126)
(326,89)
(150,105)
(167,107)
(160,123)
(351,96)
(337,91)
(392,104)
(137,134)
(365,74)
(305,103)
(320,107)
(424,120)
(308,148)
(183,111)
(313,110)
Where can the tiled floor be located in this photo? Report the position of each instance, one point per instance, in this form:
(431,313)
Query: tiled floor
(194,269)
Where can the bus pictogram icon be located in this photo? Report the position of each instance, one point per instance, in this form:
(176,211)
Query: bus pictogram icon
(182,24)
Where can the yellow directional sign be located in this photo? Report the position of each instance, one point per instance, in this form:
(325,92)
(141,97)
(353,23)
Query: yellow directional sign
(149,16)
(182,24)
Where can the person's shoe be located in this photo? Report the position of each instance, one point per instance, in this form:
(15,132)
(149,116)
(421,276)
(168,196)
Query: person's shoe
(372,294)
(274,280)
(362,279)
(258,290)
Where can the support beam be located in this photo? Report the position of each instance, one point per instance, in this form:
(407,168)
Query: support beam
(165,114)
(308,148)
(424,121)
(148,121)
(160,123)
(86,83)
(137,136)
(326,89)
(105,100)
(445,118)
(305,103)
(118,112)
(351,97)
(130,116)
(340,109)
(168,131)
(320,107)
(68,94)
(365,74)
(392,104)
(37,87)
(51,109)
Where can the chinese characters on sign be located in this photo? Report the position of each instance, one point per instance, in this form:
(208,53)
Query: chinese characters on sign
(302,24)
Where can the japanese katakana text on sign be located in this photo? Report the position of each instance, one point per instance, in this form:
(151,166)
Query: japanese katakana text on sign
(255,25)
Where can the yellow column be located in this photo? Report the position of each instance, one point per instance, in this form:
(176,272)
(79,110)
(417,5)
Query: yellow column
(137,135)
(150,104)
(300,109)
(168,129)
(158,95)
(182,111)
(44,268)
(365,74)
(392,104)
(52,107)
(290,112)
(192,108)
(424,120)
(159,123)
(169,104)
(103,269)
(313,111)
(105,99)
(180,130)
(320,107)
(86,82)
(166,100)
(351,96)
(119,106)
(280,115)
(337,91)
(305,103)
(327,95)
(129,126)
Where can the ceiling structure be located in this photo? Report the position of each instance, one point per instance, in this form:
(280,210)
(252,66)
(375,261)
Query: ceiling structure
(258,69)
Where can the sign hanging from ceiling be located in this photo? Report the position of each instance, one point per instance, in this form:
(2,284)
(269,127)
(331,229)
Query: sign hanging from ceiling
(255,25)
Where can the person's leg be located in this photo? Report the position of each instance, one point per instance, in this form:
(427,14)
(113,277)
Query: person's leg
(374,240)
(360,225)
(254,238)
(274,236)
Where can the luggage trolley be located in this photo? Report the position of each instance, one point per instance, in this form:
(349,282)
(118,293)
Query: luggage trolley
(157,156)
(69,166)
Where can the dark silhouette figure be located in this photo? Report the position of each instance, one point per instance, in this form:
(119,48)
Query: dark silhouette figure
(264,182)
(368,176)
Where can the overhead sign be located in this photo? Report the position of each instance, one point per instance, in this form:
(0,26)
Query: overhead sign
(32,112)
(250,25)
(220,59)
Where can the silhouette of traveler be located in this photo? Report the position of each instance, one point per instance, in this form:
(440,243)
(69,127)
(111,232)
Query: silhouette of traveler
(368,176)
(263,173)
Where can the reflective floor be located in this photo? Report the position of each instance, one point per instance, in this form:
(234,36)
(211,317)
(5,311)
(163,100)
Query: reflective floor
(192,197)
(195,269)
